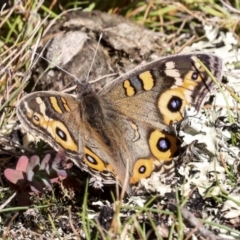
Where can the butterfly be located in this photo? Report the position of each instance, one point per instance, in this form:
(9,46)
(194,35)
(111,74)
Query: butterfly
(124,131)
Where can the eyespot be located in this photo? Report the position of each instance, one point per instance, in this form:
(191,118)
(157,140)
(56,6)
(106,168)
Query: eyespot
(93,161)
(164,146)
(171,104)
(195,75)
(61,134)
(36,118)
(174,104)
(142,169)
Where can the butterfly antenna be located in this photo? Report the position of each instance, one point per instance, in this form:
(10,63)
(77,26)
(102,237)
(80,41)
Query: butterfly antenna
(95,53)
(39,55)
(74,77)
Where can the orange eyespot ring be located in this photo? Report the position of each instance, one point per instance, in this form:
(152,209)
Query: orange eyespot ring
(93,161)
(163,146)
(142,169)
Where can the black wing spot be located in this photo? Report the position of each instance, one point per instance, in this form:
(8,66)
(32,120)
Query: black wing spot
(175,104)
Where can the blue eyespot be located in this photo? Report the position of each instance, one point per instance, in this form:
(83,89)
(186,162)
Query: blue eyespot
(36,118)
(174,104)
(61,134)
(142,169)
(91,159)
(163,144)
(195,76)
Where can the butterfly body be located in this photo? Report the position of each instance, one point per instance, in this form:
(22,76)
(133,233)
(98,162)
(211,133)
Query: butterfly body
(123,131)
